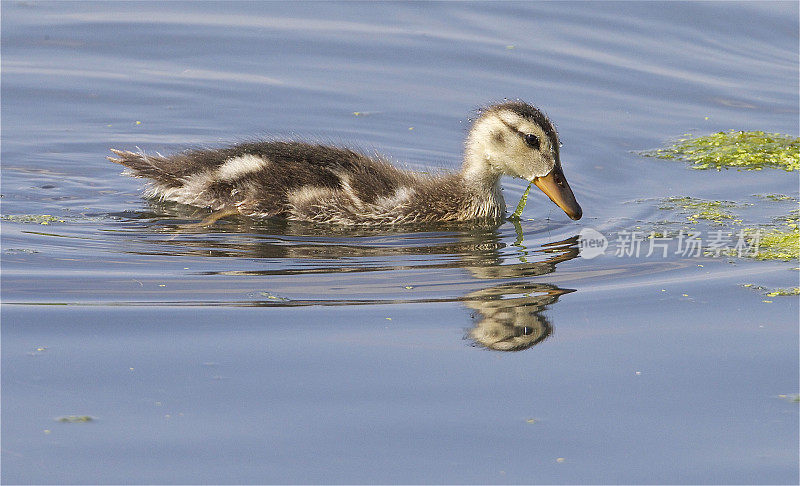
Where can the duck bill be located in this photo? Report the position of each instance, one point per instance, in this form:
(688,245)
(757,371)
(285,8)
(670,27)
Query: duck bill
(555,186)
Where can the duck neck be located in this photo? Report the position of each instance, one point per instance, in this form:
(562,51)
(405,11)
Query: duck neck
(478,167)
(483,184)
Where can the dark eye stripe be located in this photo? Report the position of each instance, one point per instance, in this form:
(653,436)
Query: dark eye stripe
(530,139)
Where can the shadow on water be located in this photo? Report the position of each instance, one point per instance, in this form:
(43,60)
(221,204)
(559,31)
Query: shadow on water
(506,317)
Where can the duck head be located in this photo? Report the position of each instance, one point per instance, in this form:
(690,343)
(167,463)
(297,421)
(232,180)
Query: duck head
(516,139)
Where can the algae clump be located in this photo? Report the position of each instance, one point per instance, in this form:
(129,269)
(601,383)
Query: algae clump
(31,218)
(776,197)
(696,209)
(777,243)
(788,292)
(75,419)
(782,292)
(779,240)
(735,149)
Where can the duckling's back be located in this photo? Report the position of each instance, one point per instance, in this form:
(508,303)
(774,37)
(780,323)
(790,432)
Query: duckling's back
(286,179)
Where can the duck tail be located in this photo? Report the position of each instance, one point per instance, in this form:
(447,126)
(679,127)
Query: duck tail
(138,164)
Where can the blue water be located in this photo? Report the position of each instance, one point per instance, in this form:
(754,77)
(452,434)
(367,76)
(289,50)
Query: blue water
(261,352)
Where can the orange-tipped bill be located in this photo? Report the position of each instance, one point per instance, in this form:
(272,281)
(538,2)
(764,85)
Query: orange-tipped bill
(555,186)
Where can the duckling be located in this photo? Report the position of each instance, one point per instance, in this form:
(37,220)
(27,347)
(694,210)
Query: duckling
(323,184)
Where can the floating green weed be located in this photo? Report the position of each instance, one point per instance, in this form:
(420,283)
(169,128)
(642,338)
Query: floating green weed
(777,243)
(776,197)
(31,218)
(735,149)
(782,292)
(696,209)
(779,240)
(75,419)
(270,296)
(774,292)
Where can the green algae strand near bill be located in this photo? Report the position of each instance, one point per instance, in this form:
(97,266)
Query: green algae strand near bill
(522,202)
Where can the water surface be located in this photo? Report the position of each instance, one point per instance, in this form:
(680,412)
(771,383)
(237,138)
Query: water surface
(261,351)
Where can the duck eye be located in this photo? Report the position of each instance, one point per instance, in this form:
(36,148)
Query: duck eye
(532,140)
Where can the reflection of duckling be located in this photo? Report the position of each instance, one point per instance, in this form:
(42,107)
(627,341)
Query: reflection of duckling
(305,182)
(556,252)
(515,323)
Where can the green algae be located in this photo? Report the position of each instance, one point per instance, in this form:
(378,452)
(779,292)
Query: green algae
(776,242)
(75,419)
(741,150)
(754,150)
(776,197)
(271,296)
(31,218)
(780,292)
(779,240)
(784,292)
(521,205)
(701,209)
